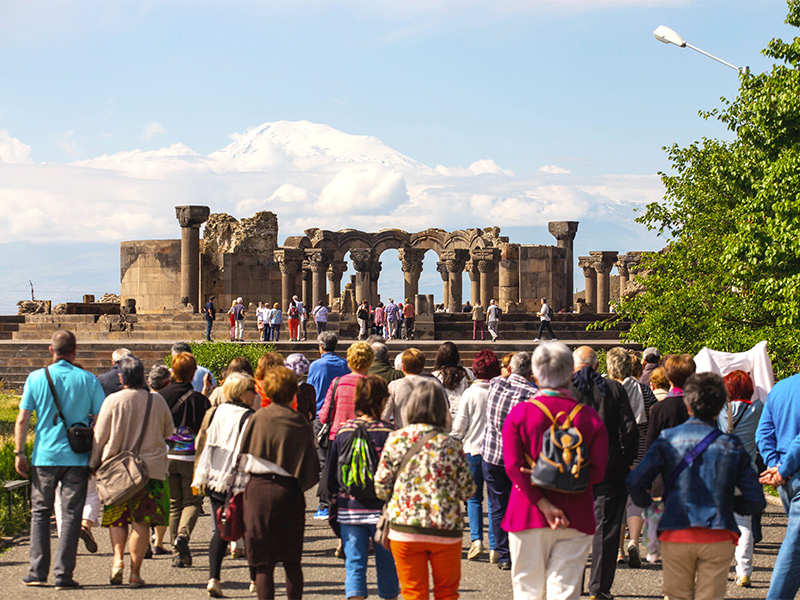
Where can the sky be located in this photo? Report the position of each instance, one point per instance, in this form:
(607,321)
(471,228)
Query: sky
(507,113)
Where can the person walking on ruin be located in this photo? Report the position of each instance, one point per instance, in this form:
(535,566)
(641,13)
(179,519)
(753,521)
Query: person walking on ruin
(320,314)
(238,313)
(210,314)
(478,317)
(362,316)
(79,395)
(545,316)
(408,320)
(493,319)
(392,319)
(380,321)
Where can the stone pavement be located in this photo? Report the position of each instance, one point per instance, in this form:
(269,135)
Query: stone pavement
(324,574)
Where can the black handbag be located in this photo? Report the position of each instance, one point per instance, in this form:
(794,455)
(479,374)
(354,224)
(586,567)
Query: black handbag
(79,435)
(323,436)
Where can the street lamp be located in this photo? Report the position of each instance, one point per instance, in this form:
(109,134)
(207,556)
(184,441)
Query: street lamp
(665,35)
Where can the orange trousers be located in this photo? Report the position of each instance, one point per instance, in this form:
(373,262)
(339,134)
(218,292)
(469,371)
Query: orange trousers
(411,560)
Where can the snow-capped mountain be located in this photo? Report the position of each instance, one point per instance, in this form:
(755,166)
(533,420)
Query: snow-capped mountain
(307,145)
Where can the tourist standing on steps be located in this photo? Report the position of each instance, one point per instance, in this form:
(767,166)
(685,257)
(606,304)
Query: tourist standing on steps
(380,321)
(408,320)
(275,322)
(188,408)
(478,317)
(53,460)
(232,319)
(545,316)
(261,322)
(238,313)
(119,429)
(210,314)
(320,314)
(493,319)
(392,319)
(362,316)
(294,320)
(504,394)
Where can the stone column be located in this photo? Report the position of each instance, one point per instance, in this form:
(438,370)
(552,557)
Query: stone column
(190,219)
(622,269)
(585,263)
(603,262)
(564,232)
(362,263)
(374,275)
(487,265)
(307,288)
(335,272)
(454,261)
(441,267)
(411,259)
(318,261)
(471,267)
(289,262)
(508,276)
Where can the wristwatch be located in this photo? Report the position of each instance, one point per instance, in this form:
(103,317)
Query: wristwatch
(19,453)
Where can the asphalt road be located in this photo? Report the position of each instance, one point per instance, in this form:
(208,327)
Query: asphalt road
(324,573)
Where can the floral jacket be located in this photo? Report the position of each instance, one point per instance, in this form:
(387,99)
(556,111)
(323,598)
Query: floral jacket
(431,489)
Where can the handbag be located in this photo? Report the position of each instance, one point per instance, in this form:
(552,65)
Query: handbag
(384,525)
(80,436)
(122,476)
(323,435)
(230,517)
(688,460)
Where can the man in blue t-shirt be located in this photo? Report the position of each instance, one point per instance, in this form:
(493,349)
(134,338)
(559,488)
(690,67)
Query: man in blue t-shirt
(52,462)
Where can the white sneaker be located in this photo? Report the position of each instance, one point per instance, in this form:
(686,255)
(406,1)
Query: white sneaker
(554,340)
(535,339)
(213,588)
(475,550)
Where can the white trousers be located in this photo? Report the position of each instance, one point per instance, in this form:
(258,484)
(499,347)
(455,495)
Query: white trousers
(91,509)
(493,327)
(744,548)
(239,335)
(547,557)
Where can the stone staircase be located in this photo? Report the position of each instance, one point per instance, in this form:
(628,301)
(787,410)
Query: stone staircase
(150,337)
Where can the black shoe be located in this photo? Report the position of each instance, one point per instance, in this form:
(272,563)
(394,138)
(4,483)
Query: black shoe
(634,562)
(177,562)
(67,584)
(160,551)
(601,596)
(33,581)
(181,544)
(504,566)
(88,539)
(149,552)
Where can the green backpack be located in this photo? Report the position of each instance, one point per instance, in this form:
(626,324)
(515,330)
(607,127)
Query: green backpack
(358,461)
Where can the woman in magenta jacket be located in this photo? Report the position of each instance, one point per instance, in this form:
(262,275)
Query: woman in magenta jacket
(550,532)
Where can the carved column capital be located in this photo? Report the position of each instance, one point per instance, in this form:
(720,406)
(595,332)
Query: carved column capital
(441,267)
(633,261)
(411,259)
(375,270)
(192,216)
(362,259)
(289,260)
(471,267)
(318,259)
(602,261)
(455,259)
(487,259)
(587,264)
(563,230)
(336,270)
(622,267)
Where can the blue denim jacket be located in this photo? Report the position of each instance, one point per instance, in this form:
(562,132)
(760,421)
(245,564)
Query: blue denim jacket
(703,495)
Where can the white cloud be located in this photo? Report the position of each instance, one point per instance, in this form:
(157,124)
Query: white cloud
(152,129)
(371,190)
(485,166)
(12,150)
(554,170)
(67,142)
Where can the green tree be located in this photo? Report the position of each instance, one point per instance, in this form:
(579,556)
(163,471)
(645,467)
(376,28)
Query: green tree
(729,275)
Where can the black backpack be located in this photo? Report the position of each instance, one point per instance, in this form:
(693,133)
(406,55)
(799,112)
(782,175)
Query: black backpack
(560,465)
(358,461)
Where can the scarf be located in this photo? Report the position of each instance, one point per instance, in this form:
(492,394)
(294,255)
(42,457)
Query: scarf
(224,435)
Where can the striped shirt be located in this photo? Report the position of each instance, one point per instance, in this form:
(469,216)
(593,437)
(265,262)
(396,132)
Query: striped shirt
(504,394)
(345,408)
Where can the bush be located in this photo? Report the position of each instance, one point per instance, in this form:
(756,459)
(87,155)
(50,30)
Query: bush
(215,356)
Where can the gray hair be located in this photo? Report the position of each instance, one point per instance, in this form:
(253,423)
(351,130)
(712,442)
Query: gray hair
(328,340)
(131,371)
(520,364)
(381,351)
(552,365)
(158,377)
(179,347)
(618,363)
(585,356)
(118,354)
(427,404)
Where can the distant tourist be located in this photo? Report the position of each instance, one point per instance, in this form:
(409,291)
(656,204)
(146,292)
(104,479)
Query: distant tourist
(238,313)
(232,319)
(362,316)
(392,319)
(53,460)
(320,314)
(261,322)
(545,315)
(210,314)
(467,308)
(478,316)
(493,319)
(408,320)
(275,322)
(380,321)
(293,312)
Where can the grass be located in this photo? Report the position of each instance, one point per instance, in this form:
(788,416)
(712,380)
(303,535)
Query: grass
(18,518)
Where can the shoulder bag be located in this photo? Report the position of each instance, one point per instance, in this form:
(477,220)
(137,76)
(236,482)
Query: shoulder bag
(122,476)
(688,460)
(382,528)
(79,435)
(323,436)
(230,516)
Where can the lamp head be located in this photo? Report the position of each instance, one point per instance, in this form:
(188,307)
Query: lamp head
(665,35)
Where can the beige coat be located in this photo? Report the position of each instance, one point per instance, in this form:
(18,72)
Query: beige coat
(120,423)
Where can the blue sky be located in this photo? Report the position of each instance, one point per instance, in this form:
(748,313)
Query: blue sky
(574,90)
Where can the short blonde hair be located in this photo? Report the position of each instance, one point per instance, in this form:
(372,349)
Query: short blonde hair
(236,384)
(360,356)
(413,361)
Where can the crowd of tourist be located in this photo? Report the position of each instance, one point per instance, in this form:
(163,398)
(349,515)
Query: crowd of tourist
(567,458)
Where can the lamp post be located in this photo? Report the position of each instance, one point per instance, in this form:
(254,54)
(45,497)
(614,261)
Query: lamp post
(665,35)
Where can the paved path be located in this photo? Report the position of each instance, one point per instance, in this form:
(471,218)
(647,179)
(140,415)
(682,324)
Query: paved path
(324,574)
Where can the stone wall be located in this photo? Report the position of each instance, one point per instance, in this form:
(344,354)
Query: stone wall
(150,272)
(542,274)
